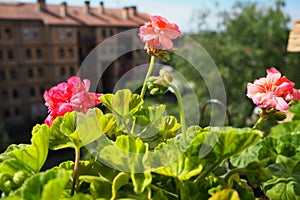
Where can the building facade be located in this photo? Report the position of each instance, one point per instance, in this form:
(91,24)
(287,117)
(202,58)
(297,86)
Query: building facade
(42,45)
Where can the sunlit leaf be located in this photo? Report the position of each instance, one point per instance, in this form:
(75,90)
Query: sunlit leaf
(126,154)
(99,187)
(141,181)
(120,180)
(57,139)
(228,194)
(44,185)
(184,168)
(21,161)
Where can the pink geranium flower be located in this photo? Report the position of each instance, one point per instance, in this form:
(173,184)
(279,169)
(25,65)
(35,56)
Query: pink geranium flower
(158,33)
(273,91)
(72,95)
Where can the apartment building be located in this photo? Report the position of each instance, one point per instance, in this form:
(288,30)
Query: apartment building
(42,45)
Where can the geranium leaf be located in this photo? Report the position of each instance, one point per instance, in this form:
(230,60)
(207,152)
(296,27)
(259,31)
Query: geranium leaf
(292,127)
(184,168)
(26,159)
(224,142)
(118,103)
(44,185)
(281,188)
(99,187)
(232,141)
(169,127)
(244,190)
(228,194)
(151,130)
(92,125)
(257,173)
(76,129)
(135,103)
(159,195)
(126,154)
(141,181)
(247,156)
(106,99)
(121,179)
(57,139)
(285,184)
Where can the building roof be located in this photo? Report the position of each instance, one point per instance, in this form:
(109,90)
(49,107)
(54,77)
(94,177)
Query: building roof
(75,15)
(294,38)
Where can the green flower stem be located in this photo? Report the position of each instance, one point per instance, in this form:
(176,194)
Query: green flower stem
(234,171)
(143,92)
(76,165)
(181,110)
(258,123)
(154,187)
(150,69)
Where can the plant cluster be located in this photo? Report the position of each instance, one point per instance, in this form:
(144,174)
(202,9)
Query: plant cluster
(138,152)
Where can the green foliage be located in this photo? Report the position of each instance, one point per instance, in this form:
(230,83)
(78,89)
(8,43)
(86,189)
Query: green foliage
(160,166)
(295,109)
(21,161)
(44,185)
(279,155)
(139,152)
(74,130)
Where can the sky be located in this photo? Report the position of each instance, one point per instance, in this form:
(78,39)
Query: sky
(180,11)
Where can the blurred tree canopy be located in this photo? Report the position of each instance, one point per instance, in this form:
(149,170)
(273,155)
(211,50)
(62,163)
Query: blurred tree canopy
(249,39)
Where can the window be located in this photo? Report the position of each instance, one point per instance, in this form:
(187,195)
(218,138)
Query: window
(2,75)
(40,72)
(32,92)
(15,94)
(61,34)
(42,90)
(17,111)
(62,71)
(61,53)
(38,53)
(10,54)
(71,52)
(36,33)
(6,113)
(4,94)
(78,35)
(103,33)
(8,33)
(26,33)
(111,32)
(28,53)
(30,73)
(72,70)
(13,75)
(69,33)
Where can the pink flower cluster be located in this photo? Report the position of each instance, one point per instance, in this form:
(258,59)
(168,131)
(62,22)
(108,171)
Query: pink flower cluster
(72,95)
(272,91)
(159,33)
